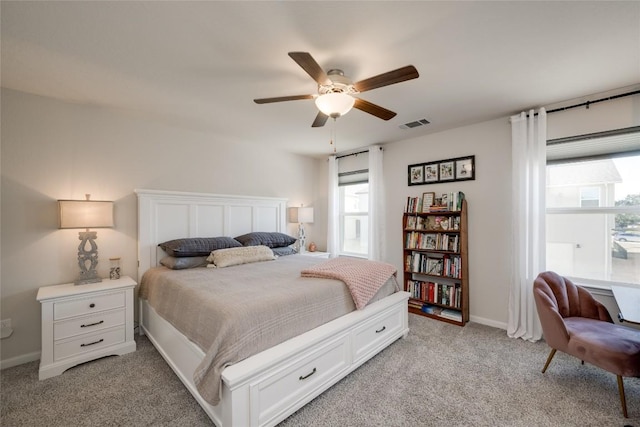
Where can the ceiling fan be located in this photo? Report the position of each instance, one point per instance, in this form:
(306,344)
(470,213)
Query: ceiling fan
(335,90)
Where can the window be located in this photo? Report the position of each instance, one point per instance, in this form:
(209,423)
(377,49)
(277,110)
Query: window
(589,197)
(354,219)
(593,207)
(353,182)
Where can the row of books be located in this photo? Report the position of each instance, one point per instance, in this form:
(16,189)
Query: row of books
(447,313)
(433,223)
(448,266)
(433,241)
(452,267)
(446,202)
(439,293)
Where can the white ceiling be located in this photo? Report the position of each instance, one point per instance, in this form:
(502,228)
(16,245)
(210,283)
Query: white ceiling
(199,65)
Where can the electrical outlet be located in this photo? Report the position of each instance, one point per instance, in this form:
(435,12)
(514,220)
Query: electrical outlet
(5,328)
(5,324)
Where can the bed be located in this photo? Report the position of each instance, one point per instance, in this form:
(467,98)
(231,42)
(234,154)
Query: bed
(267,387)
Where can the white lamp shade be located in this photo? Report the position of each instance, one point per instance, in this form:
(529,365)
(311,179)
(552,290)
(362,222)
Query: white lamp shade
(85,214)
(335,104)
(301,215)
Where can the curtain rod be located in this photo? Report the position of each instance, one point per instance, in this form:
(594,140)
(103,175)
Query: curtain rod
(588,103)
(353,154)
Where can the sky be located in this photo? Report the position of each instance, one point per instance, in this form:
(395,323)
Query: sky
(629,169)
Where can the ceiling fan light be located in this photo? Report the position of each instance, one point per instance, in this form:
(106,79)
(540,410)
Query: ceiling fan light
(335,104)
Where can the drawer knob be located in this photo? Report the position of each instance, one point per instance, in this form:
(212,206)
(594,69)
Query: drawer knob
(92,305)
(381,330)
(92,324)
(304,377)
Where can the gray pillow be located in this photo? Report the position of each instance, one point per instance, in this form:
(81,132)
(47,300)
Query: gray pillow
(271,240)
(197,246)
(184,262)
(285,250)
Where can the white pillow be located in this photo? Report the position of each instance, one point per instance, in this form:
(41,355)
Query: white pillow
(235,256)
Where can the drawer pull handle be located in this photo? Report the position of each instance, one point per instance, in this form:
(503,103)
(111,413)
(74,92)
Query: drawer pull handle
(92,305)
(92,324)
(381,330)
(308,375)
(92,343)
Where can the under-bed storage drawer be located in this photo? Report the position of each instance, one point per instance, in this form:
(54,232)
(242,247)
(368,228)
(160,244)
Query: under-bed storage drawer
(375,332)
(272,395)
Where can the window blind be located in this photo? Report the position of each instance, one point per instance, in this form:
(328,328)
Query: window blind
(620,142)
(353,169)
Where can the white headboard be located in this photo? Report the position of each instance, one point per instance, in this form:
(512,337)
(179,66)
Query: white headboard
(167,215)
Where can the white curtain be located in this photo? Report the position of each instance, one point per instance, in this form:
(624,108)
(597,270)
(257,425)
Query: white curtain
(528,135)
(376,204)
(333,225)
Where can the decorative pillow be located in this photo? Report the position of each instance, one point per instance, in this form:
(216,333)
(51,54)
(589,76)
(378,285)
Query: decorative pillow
(235,256)
(271,240)
(197,246)
(183,262)
(285,250)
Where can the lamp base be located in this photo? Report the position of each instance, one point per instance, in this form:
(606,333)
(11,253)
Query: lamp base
(301,239)
(87,254)
(87,281)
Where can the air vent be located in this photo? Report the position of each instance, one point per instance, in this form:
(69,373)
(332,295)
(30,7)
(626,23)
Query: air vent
(415,124)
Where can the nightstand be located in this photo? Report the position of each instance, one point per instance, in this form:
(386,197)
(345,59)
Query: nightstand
(85,322)
(317,254)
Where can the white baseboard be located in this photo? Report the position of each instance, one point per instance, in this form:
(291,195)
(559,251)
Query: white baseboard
(488,322)
(19,360)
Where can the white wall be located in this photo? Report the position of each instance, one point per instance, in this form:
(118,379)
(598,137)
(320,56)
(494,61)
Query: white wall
(615,114)
(489,206)
(53,150)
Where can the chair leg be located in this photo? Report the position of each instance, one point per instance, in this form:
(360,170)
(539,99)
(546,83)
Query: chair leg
(546,365)
(623,399)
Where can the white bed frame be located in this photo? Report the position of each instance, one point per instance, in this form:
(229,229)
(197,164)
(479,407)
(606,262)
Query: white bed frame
(267,387)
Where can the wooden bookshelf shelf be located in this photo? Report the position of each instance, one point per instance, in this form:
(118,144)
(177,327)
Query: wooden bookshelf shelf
(436,261)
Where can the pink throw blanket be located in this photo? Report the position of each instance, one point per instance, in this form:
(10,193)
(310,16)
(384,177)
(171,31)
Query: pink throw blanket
(362,277)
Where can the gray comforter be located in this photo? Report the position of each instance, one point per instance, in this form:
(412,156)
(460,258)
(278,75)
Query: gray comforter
(235,312)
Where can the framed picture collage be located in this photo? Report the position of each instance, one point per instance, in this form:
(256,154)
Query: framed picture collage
(458,169)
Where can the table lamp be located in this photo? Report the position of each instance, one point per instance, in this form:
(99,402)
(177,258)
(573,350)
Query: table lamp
(86,214)
(301,216)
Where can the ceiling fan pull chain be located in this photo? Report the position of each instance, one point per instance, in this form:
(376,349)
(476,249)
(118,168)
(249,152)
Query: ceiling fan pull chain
(333,135)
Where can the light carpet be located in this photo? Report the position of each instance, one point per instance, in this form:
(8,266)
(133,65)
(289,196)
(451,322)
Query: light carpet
(440,375)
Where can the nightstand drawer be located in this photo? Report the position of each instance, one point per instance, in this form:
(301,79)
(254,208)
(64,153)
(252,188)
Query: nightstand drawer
(83,325)
(88,305)
(87,343)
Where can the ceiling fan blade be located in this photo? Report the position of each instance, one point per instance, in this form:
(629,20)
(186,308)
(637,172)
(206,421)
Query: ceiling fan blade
(396,76)
(282,98)
(320,120)
(306,61)
(373,109)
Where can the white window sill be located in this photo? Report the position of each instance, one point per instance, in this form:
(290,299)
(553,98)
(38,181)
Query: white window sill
(344,254)
(599,287)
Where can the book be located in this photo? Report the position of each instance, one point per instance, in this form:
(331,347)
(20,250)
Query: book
(451,314)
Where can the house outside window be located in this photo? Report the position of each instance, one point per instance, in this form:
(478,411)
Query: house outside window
(593,208)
